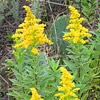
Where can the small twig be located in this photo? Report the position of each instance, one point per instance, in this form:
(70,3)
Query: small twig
(54,27)
(56,35)
(90,26)
(9,23)
(4,80)
(56,3)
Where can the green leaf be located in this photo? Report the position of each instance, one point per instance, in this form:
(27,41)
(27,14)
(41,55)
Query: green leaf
(77,0)
(56,33)
(70,65)
(50,97)
(84,96)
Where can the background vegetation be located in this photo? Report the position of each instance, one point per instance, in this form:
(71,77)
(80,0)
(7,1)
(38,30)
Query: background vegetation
(55,14)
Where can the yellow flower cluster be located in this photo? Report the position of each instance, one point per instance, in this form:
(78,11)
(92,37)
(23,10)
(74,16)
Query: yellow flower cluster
(77,31)
(35,95)
(29,0)
(31,33)
(67,85)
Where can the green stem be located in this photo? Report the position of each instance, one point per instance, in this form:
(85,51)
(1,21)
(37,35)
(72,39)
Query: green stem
(66,6)
(78,59)
(20,70)
(78,50)
(35,70)
(45,12)
(55,76)
(35,7)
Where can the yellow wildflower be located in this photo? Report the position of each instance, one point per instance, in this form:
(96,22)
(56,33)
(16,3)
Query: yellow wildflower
(77,31)
(31,33)
(94,99)
(92,90)
(29,0)
(95,95)
(35,51)
(67,85)
(35,95)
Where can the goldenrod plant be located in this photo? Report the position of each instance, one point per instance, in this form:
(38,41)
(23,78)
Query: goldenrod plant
(32,33)
(77,31)
(68,93)
(37,76)
(31,68)
(79,53)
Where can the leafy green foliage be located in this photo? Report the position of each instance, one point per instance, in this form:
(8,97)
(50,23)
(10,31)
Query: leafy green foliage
(56,33)
(83,61)
(85,74)
(88,10)
(9,36)
(30,72)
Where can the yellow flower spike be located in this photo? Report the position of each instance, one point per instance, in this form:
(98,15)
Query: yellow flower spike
(31,32)
(67,85)
(29,0)
(35,95)
(77,31)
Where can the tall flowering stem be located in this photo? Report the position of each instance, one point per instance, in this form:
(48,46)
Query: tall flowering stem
(30,35)
(78,58)
(77,32)
(67,86)
(34,58)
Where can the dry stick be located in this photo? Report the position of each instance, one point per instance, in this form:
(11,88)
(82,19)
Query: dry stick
(6,83)
(54,28)
(56,3)
(66,5)
(59,4)
(10,24)
(56,35)
(4,80)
